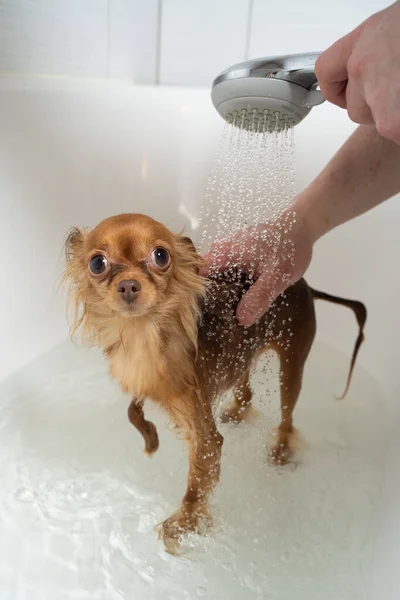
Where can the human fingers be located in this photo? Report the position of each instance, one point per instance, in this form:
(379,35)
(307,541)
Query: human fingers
(356,105)
(331,70)
(259,298)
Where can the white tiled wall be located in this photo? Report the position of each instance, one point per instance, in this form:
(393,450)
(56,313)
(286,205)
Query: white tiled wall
(201,38)
(67,37)
(91,38)
(306,25)
(133,39)
(165,41)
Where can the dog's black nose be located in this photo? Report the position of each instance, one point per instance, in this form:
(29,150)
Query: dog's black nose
(129,289)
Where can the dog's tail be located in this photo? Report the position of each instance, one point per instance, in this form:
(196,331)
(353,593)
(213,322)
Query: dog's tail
(360,312)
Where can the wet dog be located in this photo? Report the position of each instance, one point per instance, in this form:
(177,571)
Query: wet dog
(172,336)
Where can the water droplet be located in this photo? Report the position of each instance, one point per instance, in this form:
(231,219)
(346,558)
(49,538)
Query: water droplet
(201,591)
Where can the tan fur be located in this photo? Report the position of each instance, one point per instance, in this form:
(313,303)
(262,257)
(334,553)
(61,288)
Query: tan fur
(181,346)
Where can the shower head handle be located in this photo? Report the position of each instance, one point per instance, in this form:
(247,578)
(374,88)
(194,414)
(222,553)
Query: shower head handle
(313,98)
(295,68)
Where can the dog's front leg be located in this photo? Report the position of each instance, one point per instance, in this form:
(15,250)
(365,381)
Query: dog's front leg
(193,415)
(146,428)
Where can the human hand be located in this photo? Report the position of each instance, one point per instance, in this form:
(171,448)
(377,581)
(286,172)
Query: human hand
(276,254)
(361,73)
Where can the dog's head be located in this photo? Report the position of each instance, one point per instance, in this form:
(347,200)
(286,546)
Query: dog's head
(132,266)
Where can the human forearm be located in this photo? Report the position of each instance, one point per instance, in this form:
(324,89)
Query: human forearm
(361,175)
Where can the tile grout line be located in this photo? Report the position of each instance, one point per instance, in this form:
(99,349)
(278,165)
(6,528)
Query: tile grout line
(108,41)
(157,74)
(248,29)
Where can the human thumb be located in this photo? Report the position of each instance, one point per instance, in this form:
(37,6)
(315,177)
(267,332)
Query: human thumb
(259,298)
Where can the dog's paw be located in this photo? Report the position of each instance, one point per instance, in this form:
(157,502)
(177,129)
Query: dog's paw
(232,415)
(286,446)
(185,520)
(281,455)
(151,439)
(238,414)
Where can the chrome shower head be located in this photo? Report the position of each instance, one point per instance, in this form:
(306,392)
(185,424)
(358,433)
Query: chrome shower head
(268,93)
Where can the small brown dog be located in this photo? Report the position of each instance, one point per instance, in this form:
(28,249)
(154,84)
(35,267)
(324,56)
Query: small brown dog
(172,336)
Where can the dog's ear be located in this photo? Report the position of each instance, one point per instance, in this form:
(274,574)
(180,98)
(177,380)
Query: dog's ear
(74,244)
(189,253)
(74,253)
(186,241)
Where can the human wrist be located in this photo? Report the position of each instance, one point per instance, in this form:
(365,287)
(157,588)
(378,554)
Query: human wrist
(308,215)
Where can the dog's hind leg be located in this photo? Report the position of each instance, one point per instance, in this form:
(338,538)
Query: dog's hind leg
(241,405)
(293,353)
(291,380)
(146,428)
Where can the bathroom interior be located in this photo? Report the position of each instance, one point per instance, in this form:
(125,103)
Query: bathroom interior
(105,108)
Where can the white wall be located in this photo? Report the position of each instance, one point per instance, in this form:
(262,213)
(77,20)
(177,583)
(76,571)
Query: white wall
(81,38)
(183,42)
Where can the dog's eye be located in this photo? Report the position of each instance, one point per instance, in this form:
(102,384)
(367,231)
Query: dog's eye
(98,264)
(160,257)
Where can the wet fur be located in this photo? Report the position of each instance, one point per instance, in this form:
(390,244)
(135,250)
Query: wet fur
(181,348)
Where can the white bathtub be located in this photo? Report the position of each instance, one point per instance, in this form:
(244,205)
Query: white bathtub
(72,153)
